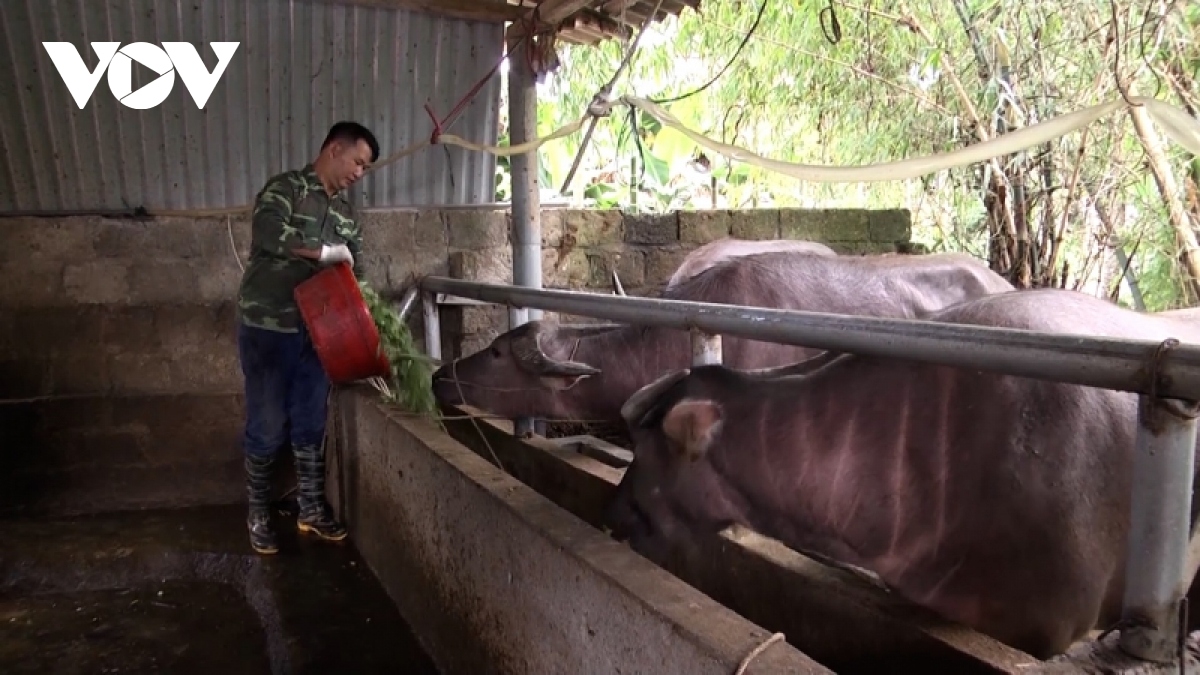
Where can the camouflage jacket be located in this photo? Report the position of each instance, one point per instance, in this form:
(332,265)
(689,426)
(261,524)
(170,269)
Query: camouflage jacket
(291,211)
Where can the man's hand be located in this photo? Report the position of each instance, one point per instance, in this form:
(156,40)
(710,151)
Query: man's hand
(336,254)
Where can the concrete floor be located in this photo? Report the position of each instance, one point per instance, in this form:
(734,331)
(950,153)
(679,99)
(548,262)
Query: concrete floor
(180,591)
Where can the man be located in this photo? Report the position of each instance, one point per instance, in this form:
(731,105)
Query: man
(302,222)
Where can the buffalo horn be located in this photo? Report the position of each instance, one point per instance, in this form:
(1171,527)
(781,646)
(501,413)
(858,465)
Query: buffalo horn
(528,350)
(643,399)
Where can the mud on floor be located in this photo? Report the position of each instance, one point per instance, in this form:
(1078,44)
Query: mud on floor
(180,591)
(182,624)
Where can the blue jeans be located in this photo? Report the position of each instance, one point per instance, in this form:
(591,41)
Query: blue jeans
(286,390)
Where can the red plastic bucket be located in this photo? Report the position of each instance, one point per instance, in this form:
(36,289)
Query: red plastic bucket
(343,332)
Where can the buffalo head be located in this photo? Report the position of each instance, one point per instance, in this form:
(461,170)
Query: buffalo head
(521,373)
(671,492)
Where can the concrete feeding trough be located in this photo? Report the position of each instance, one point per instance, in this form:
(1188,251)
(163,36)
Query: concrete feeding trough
(599,450)
(495,577)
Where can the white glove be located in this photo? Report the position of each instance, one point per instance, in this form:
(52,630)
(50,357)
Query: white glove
(336,254)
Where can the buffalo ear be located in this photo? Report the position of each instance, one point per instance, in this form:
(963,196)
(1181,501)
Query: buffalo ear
(693,425)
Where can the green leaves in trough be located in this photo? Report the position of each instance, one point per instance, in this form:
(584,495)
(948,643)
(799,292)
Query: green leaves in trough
(410,384)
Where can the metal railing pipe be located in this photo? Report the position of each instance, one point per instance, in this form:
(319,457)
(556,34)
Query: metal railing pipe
(1109,363)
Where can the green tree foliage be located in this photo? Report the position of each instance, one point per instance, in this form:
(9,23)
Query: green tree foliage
(906,79)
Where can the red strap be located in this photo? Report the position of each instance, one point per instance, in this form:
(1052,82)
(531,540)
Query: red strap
(437,126)
(436,136)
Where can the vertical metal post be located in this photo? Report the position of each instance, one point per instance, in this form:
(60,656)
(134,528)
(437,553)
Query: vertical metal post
(433,326)
(526,201)
(706,349)
(1160,528)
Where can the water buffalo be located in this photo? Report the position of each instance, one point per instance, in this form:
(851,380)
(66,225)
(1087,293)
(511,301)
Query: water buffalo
(723,249)
(1183,313)
(552,371)
(999,502)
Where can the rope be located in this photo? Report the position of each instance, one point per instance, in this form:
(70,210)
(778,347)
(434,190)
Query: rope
(833,34)
(539,54)
(1177,124)
(753,27)
(600,102)
(452,116)
(475,422)
(233,243)
(757,650)
(54,398)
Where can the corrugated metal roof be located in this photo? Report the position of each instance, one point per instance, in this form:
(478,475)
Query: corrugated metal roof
(301,66)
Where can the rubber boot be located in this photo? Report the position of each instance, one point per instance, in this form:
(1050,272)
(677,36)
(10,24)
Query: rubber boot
(315,515)
(258,491)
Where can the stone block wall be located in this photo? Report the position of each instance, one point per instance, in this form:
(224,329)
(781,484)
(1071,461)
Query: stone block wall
(581,249)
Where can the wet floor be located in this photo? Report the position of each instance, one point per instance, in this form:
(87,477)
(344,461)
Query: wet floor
(179,591)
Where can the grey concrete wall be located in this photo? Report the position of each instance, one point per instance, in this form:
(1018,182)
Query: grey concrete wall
(846,623)
(142,310)
(117,366)
(495,578)
(97,453)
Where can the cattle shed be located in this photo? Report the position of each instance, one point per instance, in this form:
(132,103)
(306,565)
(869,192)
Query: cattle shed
(124,232)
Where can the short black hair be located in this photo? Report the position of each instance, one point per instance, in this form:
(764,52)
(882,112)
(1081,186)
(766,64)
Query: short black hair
(352,132)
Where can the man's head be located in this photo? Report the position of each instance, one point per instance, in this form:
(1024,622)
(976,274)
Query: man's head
(348,150)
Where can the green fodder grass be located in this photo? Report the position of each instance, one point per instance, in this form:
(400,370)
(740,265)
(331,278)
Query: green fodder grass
(410,383)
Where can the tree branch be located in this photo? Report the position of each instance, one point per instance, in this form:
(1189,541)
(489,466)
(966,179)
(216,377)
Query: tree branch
(859,71)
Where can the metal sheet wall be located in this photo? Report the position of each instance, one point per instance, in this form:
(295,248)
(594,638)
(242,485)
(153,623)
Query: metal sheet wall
(302,65)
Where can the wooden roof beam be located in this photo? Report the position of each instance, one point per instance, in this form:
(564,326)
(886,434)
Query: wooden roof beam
(555,11)
(490,11)
(615,7)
